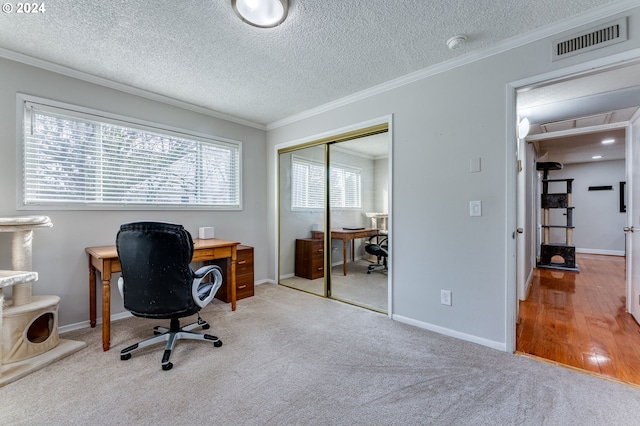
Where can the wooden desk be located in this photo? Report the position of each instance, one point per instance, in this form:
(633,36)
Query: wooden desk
(105,260)
(347,235)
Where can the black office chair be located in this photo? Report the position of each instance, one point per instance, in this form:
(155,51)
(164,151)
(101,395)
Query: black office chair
(157,282)
(378,246)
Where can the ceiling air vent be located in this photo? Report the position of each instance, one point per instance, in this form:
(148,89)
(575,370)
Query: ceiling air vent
(594,38)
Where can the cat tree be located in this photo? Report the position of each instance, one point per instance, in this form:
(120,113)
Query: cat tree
(29,337)
(557,255)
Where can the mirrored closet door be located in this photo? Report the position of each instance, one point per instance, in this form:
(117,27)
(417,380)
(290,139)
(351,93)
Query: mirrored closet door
(333,216)
(358,188)
(302,198)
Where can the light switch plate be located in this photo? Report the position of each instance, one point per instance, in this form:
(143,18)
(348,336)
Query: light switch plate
(475,208)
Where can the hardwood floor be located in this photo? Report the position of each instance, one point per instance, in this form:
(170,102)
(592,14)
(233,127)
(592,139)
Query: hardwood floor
(579,319)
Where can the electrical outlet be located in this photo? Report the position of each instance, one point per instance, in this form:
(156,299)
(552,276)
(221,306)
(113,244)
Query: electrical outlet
(445,297)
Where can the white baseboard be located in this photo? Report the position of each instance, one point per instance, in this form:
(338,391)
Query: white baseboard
(527,285)
(87,324)
(501,346)
(121,315)
(599,251)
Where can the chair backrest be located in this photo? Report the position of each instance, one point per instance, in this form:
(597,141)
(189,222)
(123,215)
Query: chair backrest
(155,259)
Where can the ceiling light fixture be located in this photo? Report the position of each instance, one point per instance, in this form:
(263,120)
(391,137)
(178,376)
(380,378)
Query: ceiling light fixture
(456,41)
(608,141)
(597,157)
(261,13)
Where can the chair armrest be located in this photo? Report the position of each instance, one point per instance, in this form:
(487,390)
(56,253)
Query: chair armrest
(198,276)
(121,286)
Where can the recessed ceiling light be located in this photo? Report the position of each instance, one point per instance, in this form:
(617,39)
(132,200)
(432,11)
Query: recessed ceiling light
(597,157)
(606,141)
(261,13)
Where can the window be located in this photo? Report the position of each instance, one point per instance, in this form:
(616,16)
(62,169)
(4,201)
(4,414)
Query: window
(89,159)
(308,183)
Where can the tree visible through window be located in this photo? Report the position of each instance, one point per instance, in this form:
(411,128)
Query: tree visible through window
(72,158)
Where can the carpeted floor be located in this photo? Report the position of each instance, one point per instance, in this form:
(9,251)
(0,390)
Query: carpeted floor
(290,358)
(359,287)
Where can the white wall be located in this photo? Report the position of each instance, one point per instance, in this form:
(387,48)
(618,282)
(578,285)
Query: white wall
(597,218)
(58,252)
(439,123)
(381,178)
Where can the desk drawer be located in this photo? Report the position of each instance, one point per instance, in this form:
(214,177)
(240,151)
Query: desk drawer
(309,258)
(212,252)
(244,275)
(364,234)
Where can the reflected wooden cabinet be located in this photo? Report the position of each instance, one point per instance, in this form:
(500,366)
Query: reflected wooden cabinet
(309,258)
(244,275)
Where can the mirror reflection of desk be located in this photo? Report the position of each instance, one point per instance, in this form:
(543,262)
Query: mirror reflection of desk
(346,236)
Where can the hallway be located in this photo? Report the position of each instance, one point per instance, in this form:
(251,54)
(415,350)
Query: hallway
(580,319)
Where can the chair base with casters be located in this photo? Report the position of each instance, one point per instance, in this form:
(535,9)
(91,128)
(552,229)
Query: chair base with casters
(171,335)
(378,266)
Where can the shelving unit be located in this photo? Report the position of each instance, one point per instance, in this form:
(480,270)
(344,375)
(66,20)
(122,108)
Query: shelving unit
(549,250)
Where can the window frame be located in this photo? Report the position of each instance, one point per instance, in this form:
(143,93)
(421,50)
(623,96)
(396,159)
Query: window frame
(83,113)
(344,167)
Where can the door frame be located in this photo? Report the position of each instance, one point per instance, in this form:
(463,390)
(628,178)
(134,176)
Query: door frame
(325,137)
(511,271)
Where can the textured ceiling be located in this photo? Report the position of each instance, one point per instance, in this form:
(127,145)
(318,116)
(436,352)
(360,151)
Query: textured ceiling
(199,52)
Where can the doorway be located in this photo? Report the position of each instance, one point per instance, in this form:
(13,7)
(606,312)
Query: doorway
(333,199)
(571,117)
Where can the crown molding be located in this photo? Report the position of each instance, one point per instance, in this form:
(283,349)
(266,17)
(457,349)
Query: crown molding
(554,29)
(544,32)
(80,75)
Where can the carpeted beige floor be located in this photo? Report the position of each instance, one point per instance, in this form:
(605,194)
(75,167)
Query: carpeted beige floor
(290,358)
(358,287)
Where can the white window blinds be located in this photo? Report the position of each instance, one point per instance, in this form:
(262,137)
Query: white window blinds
(308,185)
(75,158)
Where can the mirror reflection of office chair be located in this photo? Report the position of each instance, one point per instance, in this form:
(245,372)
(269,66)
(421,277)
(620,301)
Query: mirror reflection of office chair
(378,246)
(157,282)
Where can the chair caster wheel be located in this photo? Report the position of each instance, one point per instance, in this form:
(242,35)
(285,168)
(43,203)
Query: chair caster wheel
(206,327)
(167,366)
(217,344)
(125,357)
(368,272)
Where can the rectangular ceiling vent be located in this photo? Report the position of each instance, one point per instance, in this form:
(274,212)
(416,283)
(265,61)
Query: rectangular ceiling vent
(591,39)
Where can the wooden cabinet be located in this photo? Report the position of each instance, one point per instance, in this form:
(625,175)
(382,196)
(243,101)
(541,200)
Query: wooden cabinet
(244,275)
(309,258)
